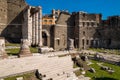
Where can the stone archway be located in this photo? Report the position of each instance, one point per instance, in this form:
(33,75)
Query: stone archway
(45,38)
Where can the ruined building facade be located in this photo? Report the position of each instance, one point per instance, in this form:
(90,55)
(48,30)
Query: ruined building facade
(11,19)
(32,25)
(85,29)
(109,33)
(80,27)
(19,21)
(79,30)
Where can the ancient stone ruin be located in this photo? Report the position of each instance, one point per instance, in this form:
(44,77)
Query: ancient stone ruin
(32,25)
(71,44)
(24,49)
(2,49)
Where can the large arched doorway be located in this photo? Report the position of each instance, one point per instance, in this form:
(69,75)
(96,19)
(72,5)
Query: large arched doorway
(45,38)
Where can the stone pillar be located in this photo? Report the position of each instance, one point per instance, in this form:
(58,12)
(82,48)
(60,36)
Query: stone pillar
(2,49)
(71,44)
(36,28)
(33,29)
(40,27)
(27,25)
(48,41)
(24,48)
(32,25)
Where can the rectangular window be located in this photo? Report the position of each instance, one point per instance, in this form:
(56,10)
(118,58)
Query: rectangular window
(83,42)
(87,42)
(58,42)
(91,42)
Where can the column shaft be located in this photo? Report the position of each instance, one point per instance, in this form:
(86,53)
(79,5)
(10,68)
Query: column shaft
(36,28)
(33,29)
(40,27)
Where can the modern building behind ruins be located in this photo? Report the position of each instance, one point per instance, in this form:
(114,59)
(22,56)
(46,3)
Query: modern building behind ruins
(59,30)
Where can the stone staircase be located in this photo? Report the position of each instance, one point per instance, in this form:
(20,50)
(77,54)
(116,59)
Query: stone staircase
(57,68)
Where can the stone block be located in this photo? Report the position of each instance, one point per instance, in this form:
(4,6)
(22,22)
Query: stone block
(2,48)
(44,49)
(24,49)
(19,78)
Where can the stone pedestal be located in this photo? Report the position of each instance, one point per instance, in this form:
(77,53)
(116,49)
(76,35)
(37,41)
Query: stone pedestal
(71,44)
(44,49)
(24,49)
(3,53)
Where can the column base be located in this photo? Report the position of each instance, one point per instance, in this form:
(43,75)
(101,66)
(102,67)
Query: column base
(4,56)
(24,53)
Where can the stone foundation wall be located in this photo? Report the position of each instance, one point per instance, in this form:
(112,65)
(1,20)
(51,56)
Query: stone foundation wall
(3,15)
(109,37)
(11,19)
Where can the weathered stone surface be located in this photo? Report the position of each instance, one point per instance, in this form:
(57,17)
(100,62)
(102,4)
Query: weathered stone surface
(86,29)
(11,19)
(24,50)
(44,49)
(71,44)
(84,58)
(92,70)
(2,48)
(32,27)
(19,78)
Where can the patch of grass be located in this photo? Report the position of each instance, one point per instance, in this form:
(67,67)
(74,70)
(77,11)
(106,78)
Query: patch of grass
(101,74)
(34,49)
(15,51)
(12,51)
(28,76)
(12,44)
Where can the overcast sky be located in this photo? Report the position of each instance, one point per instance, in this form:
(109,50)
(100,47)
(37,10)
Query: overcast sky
(105,7)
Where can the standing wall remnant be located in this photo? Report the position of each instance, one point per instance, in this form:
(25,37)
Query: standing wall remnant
(32,25)
(2,49)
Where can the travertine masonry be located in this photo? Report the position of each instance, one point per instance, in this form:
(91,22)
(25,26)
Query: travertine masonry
(32,27)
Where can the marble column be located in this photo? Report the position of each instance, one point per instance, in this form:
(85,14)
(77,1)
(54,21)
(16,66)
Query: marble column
(24,25)
(33,29)
(36,28)
(40,27)
(71,44)
(27,25)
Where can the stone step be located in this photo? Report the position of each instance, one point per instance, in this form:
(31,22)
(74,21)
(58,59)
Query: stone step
(53,75)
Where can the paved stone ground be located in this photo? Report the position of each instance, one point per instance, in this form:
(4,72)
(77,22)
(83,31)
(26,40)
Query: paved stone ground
(58,68)
(106,56)
(42,62)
